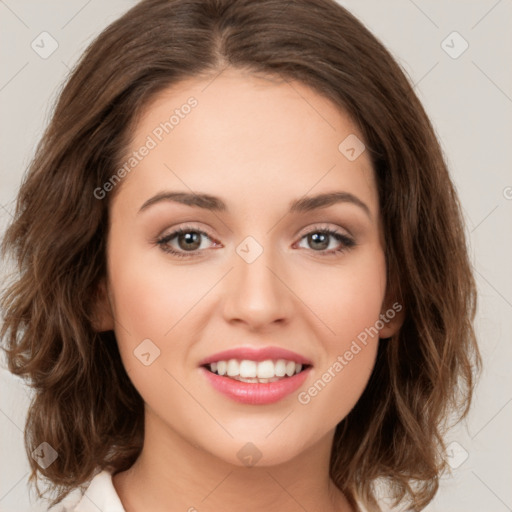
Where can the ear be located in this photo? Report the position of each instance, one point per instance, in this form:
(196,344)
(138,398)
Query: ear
(103,318)
(392,315)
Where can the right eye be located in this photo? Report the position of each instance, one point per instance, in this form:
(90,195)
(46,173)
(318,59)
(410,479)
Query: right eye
(189,238)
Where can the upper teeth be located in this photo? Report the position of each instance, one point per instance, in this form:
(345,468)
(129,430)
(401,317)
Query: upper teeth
(262,369)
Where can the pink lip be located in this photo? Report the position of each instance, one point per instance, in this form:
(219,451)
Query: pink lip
(256,393)
(256,354)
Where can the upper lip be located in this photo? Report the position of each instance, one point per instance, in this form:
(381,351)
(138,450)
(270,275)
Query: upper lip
(256,354)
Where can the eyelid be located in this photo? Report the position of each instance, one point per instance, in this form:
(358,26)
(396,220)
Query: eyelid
(185,228)
(301,233)
(323,226)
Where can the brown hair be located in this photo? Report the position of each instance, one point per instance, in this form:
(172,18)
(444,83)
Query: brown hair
(85,406)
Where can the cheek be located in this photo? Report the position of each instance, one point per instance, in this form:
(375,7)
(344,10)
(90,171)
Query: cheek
(350,306)
(348,298)
(152,302)
(150,297)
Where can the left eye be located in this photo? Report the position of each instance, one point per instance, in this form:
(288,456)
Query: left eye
(189,241)
(321,237)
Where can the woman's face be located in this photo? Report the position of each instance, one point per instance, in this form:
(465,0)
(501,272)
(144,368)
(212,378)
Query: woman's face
(263,274)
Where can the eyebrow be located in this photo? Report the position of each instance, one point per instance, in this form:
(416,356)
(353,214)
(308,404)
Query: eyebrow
(212,203)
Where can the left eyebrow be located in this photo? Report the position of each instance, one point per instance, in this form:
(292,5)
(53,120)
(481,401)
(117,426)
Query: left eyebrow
(213,203)
(309,203)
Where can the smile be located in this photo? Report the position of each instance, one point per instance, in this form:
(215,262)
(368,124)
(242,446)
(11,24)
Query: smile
(247,370)
(256,390)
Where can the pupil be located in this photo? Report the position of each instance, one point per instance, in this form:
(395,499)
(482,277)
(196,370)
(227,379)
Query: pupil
(189,238)
(315,238)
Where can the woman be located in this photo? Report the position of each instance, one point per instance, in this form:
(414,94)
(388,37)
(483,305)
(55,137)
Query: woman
(190,345)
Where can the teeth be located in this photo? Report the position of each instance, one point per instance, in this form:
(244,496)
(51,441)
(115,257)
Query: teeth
(248,369)
(221,367)
(280,368)
(256,371)
(265,369)
(233,368)
(290,368)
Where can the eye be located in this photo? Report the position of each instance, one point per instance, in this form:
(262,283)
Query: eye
(189,240)
(320,239)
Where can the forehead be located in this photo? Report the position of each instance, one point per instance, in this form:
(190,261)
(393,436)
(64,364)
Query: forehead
(242,136)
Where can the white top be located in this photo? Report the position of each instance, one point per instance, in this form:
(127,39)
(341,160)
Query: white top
(100,496)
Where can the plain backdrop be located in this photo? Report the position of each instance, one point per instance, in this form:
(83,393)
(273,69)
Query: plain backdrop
(467,93)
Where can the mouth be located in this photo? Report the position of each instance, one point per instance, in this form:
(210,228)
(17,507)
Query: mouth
(256,376)
(256,372)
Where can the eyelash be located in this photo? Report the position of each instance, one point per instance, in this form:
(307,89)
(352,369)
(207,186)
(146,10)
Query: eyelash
(347,242)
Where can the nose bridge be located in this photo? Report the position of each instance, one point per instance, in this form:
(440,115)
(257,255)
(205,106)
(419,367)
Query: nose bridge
(255,293)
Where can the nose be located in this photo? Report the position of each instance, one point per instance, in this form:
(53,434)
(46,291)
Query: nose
(256,293)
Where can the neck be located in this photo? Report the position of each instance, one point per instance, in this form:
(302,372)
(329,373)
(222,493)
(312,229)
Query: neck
(172,475)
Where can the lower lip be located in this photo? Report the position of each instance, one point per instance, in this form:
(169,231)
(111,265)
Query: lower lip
(256,393)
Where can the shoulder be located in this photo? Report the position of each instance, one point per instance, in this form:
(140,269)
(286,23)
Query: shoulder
(99,495)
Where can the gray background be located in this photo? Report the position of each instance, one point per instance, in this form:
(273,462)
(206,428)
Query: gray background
(469,99)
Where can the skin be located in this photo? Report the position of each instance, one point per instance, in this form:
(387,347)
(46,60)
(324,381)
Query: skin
(258,144)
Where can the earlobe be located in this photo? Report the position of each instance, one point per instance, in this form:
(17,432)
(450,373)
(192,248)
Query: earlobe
(103,318)
(392,319)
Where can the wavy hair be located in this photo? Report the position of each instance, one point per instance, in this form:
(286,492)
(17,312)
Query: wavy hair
(84,404)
